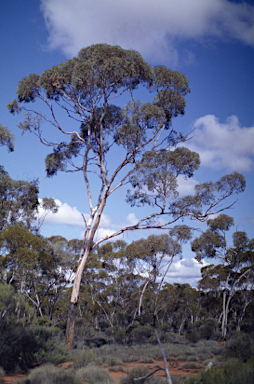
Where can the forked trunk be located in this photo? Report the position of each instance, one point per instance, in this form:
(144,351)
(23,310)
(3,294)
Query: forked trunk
(69,336)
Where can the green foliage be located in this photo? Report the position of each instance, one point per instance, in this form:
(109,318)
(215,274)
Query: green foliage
(141,333)
(49,374)
(92,375)
(140,371)
(114,362)
(240,346)
(202,329)
(191,365)
(232,373)
(6,138)
(19,200)
(29,345)
(135,373)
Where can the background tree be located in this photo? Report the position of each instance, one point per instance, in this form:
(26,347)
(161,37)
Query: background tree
(6,138)
(19,203)
(85,89)
(237,261)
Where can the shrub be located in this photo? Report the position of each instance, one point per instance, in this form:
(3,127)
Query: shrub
(114,362)
(117,369)
(202,329)
(191,365)
(49,374)
(2,372)
(136,372)
(146,359)
(232,373)
(141,333)
(26,346)
(120,336)
(92,375)
(241,346)
(79,359)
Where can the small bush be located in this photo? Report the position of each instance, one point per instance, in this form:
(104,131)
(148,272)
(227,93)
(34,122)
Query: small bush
(241,346)
(191,365)
(79,359)
(49,374)
(232,373)
(117,369)
(141,333)
(114,362)
(2,372)
(146,359)
(92,375)
(120,336)
(202,329)
(135,373)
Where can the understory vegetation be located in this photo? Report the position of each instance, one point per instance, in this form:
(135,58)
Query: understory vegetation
(117,313)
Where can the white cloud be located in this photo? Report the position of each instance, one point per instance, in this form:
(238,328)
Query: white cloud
(132,219)
(71,216)
(185,271)
(65,215)
(226,146)
(186,186)
(145,25)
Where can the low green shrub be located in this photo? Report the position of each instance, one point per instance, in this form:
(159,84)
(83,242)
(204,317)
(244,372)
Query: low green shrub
(191,365)
(114,362)
(137,372)
(49,374)
(146,360)
(232,373)
(79,359)
(141,333)
(2,372)
(119,368)
(241,346)
(92,375)
(202,329)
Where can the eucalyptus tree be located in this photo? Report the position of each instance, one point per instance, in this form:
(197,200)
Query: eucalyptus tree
(6,138)
(20,203)
(19,200)
(89,89)
(236,262)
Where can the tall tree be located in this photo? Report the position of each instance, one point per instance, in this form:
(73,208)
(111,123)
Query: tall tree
(85,89)
(237,261)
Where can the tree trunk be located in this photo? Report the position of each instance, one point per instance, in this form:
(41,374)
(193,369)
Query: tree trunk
(69,337)
(169,381)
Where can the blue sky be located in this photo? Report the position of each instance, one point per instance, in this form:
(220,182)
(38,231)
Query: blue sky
(212,42)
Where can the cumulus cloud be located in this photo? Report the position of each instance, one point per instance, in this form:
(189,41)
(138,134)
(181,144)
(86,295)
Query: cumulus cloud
(65,215)
(185,271)
(223,146)
(132,219)
(145,25)
(71,216)
(186,186)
